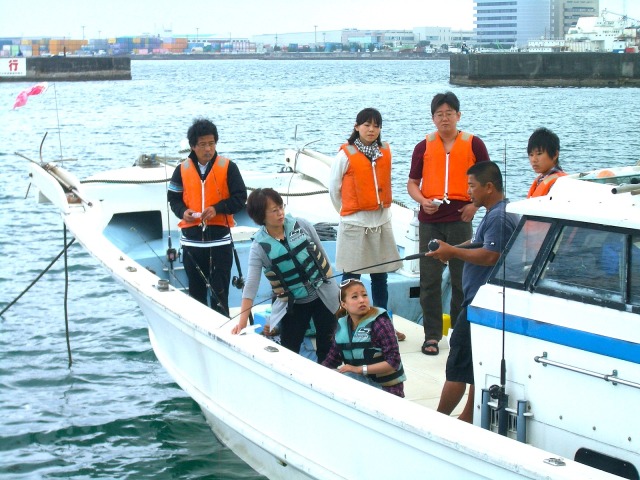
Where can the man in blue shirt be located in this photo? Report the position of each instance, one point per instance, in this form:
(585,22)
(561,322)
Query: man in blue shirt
(486,190)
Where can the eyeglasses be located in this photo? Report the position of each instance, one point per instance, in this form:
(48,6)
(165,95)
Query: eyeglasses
(447,113)
(276,210)
(206,144)
(348,281)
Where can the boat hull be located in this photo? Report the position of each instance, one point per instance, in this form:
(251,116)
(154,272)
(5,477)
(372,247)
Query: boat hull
(284,415)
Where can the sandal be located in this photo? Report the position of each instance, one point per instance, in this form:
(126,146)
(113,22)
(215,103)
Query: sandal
(401,336)
(430,344)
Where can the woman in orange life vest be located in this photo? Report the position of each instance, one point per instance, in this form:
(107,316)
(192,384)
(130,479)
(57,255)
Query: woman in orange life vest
(360,190)
(544,150)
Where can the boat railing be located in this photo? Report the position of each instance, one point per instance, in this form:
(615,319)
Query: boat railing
(607,377)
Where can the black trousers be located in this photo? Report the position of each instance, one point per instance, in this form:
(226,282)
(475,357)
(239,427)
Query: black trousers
(296,322)
(215,264)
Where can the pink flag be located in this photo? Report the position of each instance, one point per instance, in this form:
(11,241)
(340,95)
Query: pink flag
(24,95)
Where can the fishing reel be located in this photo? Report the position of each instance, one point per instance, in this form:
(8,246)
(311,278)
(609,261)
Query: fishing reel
(496,391)
(238,282)
(433,245)
(172,254)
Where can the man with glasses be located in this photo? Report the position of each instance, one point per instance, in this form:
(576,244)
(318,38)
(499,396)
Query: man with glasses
(438,182)
(204,193)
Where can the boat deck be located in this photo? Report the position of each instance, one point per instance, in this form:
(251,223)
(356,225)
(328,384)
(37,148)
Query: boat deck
(425,373)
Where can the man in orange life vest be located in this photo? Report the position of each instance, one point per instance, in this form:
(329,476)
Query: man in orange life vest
(205,191)
(438,182)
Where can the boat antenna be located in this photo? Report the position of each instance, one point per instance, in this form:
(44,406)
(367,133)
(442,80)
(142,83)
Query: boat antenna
(171,252)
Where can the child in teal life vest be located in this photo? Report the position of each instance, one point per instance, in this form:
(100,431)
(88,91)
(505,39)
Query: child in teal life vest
(365,346)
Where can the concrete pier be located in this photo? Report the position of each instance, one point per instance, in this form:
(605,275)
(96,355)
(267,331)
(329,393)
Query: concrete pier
(72,68)
(546,69)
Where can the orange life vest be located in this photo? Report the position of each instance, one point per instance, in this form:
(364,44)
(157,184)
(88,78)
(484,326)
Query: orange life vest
(198,194)
(542,188)
(366,184)
(445,176)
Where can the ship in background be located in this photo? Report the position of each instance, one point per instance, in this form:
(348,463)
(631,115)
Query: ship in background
(610,32)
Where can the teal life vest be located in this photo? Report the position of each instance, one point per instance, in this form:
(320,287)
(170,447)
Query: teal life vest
(296,265)
(356,348)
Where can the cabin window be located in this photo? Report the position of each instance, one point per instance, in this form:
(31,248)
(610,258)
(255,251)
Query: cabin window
(523,251)
(587,262)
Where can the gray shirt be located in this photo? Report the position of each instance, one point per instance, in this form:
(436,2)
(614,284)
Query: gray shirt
(258,259)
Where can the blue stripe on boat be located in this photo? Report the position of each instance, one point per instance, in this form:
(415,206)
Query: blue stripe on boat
(590,342)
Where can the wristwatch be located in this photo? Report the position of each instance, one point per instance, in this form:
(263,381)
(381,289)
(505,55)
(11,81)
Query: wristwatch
(364,370)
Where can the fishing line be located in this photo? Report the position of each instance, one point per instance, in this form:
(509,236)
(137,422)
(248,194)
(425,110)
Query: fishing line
(55,96)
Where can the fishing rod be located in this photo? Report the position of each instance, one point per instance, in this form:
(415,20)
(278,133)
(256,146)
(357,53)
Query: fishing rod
(208,285)
(236,281)
(314,283)
(170,270)
(172,254)
(498,392)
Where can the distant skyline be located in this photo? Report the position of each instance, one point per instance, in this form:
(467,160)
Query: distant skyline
(243,18)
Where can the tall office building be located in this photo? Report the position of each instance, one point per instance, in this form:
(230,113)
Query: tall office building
(565,14)
(512,23)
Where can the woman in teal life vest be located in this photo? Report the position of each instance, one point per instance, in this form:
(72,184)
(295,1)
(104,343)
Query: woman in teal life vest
(365,342)
(289,252)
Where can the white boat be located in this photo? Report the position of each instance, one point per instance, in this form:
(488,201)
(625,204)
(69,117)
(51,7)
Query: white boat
(288,417)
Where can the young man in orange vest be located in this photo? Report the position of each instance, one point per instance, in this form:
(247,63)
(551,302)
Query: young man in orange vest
(544,152)
(438,182)
(205,191)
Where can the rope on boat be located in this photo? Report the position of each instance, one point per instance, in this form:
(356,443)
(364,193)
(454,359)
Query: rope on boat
(66,292)
(38,277)
(283,194)
(66,289)
(326,231)
(133,182)
(303,194)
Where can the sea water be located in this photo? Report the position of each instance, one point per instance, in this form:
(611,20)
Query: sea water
(115,413)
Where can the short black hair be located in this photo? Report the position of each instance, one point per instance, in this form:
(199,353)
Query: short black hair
(364,116)
(545,140)
(257,203)
(486,172)
(441,98)
(201,127)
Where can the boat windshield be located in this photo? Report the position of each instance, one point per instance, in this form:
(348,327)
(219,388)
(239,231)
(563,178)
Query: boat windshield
(566,259)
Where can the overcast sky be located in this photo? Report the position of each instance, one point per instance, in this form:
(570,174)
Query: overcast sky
(237,18)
